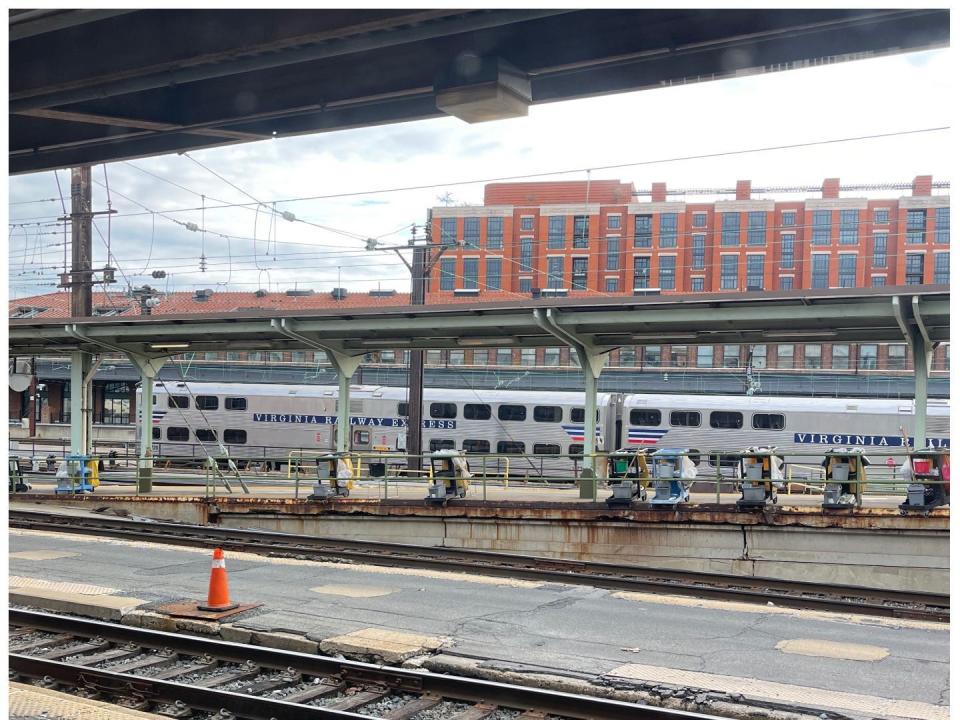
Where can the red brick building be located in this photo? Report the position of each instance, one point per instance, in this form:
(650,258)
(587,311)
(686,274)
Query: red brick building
(602,237)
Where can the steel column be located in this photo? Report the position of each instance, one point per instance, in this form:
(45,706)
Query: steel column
(78,367)
(922,357)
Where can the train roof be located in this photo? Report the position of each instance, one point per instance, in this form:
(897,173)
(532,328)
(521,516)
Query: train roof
(771,403)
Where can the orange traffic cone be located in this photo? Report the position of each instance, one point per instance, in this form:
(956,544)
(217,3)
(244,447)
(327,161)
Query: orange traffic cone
(218,596)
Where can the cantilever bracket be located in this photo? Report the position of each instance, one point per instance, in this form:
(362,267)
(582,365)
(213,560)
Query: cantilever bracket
(148,365)
(591,356)
(899,312)
(343,363)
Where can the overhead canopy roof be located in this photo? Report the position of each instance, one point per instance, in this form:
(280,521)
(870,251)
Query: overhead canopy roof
(88,86)
(867,315)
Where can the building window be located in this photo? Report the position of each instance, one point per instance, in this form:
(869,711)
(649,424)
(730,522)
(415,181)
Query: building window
(434,357)
(471,268)
(471,232)
(841,357)
(896,357)
(849,227)
(555,230)
(787,241)
(821,227)
(493,274)
(755,272)
(298,356)
(495,233)
(651,355)
(456,357)
(612,285)
(579,273)
(699,220)
(526,254)
(388,356)
(255,356)
(696,284)
(320,356)
(880,250)
(785,356)
(699,251)
(668,272)
(641,272)
(116,404)
(448,231)
(526,223)
(812,355)
(613,253)
(555,273)
(447,273)
(551,356)
(916,226)
(613,222)
(504,356)
(581,231)
(914,269)
(526,285)
(943,226)
(868,357)
(941,268)
(878,281)
(821,271)
(678,355)
(211,356)
(628,357)
(731,356)
(275,357)
(786,283)
(881,216)
(759,356)
(643,231)
(848,271)
(528,356)
(728,272)
(232,355)
(668,230)
(788,218)
(756,228)
(731,229)
(704,356)
(481,357)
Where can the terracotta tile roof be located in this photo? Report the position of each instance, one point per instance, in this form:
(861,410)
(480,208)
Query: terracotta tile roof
(183,303)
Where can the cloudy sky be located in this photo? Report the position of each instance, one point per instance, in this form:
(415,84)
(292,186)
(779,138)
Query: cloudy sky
(360,177)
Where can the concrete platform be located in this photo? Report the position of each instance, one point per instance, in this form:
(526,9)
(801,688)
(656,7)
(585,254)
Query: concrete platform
(645,646)
(27,702)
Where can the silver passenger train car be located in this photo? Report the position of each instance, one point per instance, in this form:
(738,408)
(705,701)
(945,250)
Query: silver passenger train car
(263,420)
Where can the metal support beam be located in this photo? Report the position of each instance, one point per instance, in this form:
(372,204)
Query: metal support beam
(918,340)
(591,361)
(345,365)
(88,404)
(79,364)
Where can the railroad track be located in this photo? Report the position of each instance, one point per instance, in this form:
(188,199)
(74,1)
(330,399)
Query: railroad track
(833,598)
(201,679)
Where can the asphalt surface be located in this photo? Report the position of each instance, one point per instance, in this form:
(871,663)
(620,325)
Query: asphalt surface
(558,627)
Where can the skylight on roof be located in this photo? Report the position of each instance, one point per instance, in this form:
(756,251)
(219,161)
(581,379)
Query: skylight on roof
(26,311)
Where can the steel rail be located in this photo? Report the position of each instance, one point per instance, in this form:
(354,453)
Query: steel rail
(786,593)
(348,672)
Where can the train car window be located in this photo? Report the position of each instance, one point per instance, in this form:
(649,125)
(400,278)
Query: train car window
(726,420)
(645,417)
(234,403)
(547,413)
(725,460)
(508,447)
(685,418)
(403,410)
(178,401)
(575,450)
(178,434)
(443,410)
(578,414)
(206,435)
(512,412)
(361,437)
(768,421)
(476,412)
(694,456)
(476,446)
(235,437)
(441,444)
(546,449)
(207,402)
(156,433)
